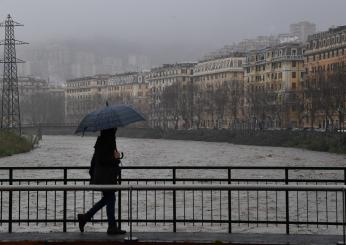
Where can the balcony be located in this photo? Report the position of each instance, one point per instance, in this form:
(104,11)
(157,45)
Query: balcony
(289,57)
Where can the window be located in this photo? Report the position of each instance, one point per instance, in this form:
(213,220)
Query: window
(294,85)
(294,63)
(294,75)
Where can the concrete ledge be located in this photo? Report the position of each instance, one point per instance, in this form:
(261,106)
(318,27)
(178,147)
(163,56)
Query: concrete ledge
(165,238)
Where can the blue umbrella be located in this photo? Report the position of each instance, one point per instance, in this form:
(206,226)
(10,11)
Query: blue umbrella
(109,117)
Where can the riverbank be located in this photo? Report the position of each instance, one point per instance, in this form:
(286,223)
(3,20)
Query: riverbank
(316,141)
(11,143)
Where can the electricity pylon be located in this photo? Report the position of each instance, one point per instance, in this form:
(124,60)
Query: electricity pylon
(10,109)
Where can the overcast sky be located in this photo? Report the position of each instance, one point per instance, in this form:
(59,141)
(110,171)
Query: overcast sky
(209,22)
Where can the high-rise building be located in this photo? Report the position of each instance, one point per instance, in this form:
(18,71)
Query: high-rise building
(302,30)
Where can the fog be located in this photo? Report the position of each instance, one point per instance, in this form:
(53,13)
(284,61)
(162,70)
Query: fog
(213,22)
(162,30)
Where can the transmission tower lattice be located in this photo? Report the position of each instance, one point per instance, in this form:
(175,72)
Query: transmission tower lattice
(10,109)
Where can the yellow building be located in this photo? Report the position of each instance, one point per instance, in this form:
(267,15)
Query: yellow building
(86,94)
(272,83)
(324,85)
(129,88)
(218,91)
(83,95)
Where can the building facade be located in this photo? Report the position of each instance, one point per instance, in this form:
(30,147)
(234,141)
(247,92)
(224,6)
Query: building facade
(324,85)
(218,91)
(272,81)
(129,88)
(87,94)
(83,95)
(170,95)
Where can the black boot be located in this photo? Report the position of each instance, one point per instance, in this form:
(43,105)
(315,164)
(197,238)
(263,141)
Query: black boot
(82,220)
(114,230)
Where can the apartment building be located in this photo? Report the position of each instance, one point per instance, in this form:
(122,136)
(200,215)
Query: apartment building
(169,91)
(83,95)
(273,77)
(324,86)
(219,91)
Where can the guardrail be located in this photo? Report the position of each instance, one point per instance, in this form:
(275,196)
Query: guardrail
(230,210)
(176,174)
(255,205)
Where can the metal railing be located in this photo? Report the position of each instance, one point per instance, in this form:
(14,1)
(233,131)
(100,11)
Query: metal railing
(180,174)
(229,210)
(287,196)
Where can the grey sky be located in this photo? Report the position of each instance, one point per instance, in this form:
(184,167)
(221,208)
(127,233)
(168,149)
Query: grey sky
(209,22)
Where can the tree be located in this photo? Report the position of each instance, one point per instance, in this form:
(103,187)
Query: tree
(324,94)
(170,105)
(199,102)
(220,99)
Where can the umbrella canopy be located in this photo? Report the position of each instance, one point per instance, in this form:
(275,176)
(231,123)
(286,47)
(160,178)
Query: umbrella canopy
(109,117)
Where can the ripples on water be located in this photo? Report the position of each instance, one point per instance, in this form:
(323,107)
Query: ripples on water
(77,151)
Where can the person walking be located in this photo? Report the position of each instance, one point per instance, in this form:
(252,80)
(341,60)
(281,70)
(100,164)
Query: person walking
(104,170)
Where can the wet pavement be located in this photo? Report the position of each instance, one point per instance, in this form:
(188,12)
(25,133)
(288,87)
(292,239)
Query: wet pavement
(167,238)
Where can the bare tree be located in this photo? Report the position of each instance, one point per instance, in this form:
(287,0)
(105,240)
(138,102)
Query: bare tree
(220,99)
(170,105)
(236,99)
(199,102)
(324,94)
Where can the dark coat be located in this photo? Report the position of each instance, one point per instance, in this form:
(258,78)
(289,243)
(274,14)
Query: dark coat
(104,169)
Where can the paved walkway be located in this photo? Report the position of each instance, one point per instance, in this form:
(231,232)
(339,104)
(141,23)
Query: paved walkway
(166,238)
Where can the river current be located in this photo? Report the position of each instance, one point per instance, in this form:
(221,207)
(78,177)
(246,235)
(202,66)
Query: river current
(77,151)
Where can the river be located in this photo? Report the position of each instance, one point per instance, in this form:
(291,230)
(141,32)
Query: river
(77,151)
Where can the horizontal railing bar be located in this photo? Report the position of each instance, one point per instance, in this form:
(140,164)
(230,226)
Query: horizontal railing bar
(181,167)
(237,180)
(181,179)
(234,167)
(216,221)
(172,187)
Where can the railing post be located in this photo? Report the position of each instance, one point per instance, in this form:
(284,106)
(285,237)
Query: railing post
(229,202)
(343,216)
(344,210)
(10,200)
(287,204)
(174,203)
(130,238)
(65,202)
(119,201)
